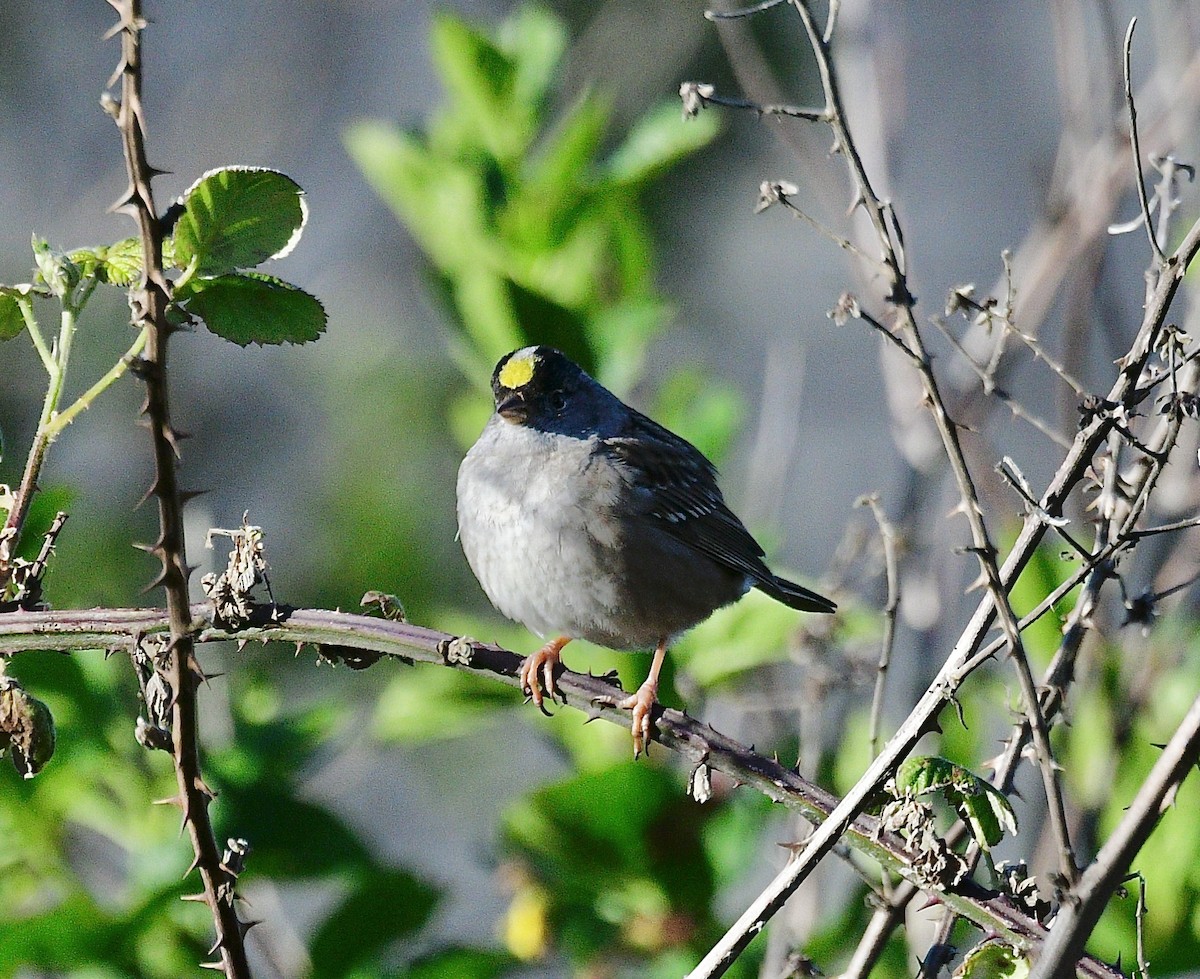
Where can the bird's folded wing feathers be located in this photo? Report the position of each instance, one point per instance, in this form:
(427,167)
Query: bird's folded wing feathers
(683,495)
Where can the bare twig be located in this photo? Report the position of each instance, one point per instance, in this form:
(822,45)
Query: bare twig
(1136,146)
(1087,900)
(988,380)
(887,534)
(1072,469)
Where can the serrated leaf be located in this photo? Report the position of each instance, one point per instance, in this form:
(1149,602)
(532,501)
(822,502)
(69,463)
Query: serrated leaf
(658,140)
(978,802)
(236,218)
(249,307)
(123,261)
(11,320)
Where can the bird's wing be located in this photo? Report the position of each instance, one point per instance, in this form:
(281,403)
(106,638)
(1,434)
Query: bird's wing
(679,488)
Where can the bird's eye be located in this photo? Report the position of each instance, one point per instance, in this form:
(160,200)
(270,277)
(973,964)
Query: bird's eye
(558,401)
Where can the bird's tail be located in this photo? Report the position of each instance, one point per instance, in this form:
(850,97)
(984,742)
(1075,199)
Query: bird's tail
(794,595)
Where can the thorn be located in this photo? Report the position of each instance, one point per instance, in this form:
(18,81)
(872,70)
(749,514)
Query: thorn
(203,789)
(151,490)
(215,966)
(125,204)
(197,898)
(157,582)
(192,866)
(173,439)
(245,926)
(172,800)
(187,495)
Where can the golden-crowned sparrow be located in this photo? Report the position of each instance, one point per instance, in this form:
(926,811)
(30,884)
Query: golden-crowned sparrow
(584,519)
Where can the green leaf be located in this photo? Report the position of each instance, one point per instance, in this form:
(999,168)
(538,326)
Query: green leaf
(386,906)
(483,80)
(536,40)
(993,960)
(11,320)
(657,141)
(441,201)
(249,307)
(564,162)
(237,217)
(123,261)
(58,272)
(981,805)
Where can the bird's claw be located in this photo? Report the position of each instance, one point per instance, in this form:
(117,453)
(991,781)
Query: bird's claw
(537,676)
(642,705)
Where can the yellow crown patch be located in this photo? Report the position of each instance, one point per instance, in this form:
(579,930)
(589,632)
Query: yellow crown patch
(517,372)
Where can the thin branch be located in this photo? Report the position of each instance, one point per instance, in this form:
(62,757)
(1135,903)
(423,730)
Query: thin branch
(758,8)
(988,381)
(1136,147)
(1072,469)
(84,401)
(887,534)
(25,304)
(14,523)
(843,243)
(871,945)
(772,109)
(125,629)
(1088,899)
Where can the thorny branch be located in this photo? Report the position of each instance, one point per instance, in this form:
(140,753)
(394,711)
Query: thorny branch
(1079,915)
(705,748)
(180,672)
(1091,437)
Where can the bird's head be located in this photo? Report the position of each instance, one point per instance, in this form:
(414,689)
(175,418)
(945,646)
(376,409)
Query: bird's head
(540,388)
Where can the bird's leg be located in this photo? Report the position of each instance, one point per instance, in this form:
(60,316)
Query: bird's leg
(537,672)
(643,701)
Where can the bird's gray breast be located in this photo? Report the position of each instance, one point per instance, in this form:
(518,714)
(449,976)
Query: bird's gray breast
(533,512)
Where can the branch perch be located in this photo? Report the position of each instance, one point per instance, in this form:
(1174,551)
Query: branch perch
(122,629)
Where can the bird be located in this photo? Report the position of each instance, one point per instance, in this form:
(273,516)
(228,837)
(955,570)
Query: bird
(582,518)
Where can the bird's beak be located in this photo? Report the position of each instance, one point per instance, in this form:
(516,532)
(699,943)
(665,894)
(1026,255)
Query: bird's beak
(512,408)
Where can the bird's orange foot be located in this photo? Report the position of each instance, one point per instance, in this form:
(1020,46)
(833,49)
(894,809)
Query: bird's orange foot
(642,703)
(537,673)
